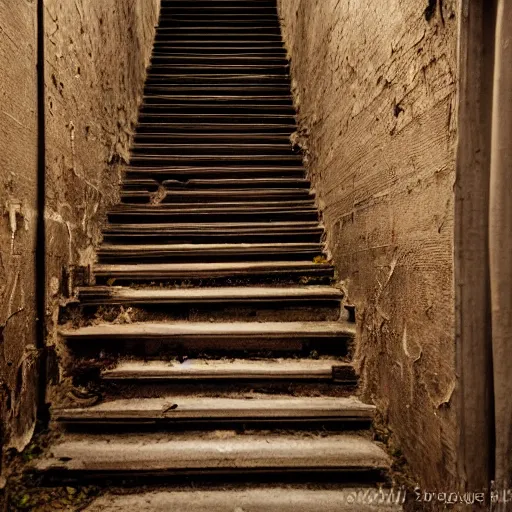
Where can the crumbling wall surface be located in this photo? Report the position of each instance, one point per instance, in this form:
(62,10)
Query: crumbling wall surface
(375,85)
(96,57)
(18,221)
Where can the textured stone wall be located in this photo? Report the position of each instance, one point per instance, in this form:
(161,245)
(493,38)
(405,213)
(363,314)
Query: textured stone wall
(375,85)
(18,220)
(96,55)
(96,58)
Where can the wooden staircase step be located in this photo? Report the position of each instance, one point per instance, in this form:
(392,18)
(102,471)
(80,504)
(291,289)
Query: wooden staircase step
(197,409)
(254,499)
(122,295)
(227,183)
(216,196)
(212,331)
(231,270)
(197,148)
(203,252)
(185,173)
(154,454)
(195,370)
(214,127)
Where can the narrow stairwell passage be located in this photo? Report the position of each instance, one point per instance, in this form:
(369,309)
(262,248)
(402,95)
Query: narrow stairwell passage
(212,336)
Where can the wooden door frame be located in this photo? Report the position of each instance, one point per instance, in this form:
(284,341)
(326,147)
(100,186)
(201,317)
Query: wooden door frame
(483,245)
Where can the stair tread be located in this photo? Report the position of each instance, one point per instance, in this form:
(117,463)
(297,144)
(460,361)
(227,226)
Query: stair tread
(221,329)
(184,169)
(209,294)
(215,226)
(223,208)
(207,452)
(198,407)
(166,267)
(209,270)
(203,248)
(225,193)
(227,369)
(219,182)
(268,499)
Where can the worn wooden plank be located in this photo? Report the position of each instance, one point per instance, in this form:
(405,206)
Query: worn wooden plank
(195,330)
(211,270)
(269,499)
(197,409)
(120,295)
(238,369)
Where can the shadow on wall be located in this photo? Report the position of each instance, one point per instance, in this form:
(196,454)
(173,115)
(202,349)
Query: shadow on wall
(375,85)
(96,55)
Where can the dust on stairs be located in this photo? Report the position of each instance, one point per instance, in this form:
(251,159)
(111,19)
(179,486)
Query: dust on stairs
(214,349)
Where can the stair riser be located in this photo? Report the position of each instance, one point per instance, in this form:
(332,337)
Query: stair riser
(259,32)
(269,24)
(219,108)
(178,69)
(197,119)
(202,173)
(197,50)
(163,257)
(212,238)
(115,348)
(217,127)
(222,477)
(142,425)
(221,150)
(292,386)
(210,216)
(162,59)
(285,311)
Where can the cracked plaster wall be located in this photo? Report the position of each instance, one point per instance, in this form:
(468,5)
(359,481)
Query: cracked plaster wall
(96,58)
(18,221)
(375,86)
(96,55)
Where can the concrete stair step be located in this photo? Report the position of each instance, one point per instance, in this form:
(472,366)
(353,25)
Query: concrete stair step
(193,411)
(250,499)
(195,370)
(95,295)
(151,339)
(158,454)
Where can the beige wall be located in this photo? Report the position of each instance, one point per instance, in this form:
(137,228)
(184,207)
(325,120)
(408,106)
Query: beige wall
(18,221)
(375,84)
(96,58)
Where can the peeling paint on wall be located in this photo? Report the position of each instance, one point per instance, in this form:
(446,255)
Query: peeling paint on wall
(18,178)
(96,55)
(375,86)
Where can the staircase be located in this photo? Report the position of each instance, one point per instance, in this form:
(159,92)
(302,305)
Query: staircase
(212,345)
